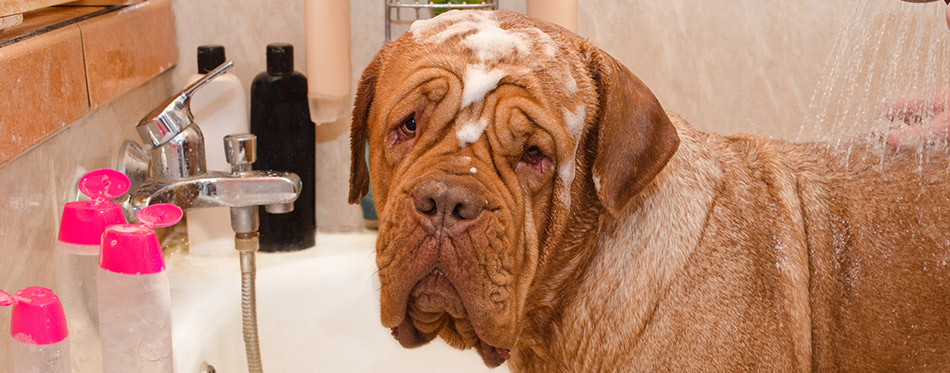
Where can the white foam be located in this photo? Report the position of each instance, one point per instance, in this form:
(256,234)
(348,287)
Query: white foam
(420,28)
(566,173)
(574,121)
(570,84)
(478,81)
(574,124)
(483,35)
(491,43)
(459,28)
(469,132)
(546,42)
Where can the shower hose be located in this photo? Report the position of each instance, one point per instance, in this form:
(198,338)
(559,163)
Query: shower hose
(247,244)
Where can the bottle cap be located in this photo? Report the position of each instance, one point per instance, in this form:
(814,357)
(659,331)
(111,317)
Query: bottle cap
(280,59)
(133,249)
(84,221)
(38,317)
(209,57)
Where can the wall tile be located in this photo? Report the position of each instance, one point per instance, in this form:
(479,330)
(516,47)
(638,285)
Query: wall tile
(126,48)
(43,88)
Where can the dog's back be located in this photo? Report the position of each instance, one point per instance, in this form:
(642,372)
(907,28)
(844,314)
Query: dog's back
(877,225)
(879,258)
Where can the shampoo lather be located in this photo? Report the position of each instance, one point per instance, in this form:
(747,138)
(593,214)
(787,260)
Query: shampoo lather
(134,297)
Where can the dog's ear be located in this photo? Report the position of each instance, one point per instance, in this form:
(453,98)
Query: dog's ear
(635,137)
(359,173)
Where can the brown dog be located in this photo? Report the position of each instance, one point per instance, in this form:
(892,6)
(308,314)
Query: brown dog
(537,203)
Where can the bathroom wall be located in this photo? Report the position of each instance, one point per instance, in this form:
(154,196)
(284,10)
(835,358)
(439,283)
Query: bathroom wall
(736,66)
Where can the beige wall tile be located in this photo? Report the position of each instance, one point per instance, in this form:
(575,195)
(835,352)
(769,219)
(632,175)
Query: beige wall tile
(43,88)
(126,48)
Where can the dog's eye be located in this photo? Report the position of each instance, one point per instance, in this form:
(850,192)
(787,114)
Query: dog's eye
(532,151)
(408,127)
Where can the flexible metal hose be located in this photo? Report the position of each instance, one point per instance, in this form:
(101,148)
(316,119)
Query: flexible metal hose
(247,244)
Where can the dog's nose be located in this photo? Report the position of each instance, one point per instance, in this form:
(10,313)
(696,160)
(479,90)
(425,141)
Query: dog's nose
(447,202)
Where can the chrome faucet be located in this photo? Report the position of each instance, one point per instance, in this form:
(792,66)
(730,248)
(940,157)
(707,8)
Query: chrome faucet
(171,168)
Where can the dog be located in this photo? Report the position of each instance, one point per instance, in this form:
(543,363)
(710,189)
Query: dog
(538,204)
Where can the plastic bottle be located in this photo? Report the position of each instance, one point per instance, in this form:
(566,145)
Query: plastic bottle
(220,110)
(77,261)
(286,141)
(38,330)
(134,298)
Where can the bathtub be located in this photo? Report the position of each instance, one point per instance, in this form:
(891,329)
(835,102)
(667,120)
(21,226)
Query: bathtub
(318,310)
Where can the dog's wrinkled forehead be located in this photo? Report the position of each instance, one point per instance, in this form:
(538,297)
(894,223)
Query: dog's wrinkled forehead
(500,46)
(505,44)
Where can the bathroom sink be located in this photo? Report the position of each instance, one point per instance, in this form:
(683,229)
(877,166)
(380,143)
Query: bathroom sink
(318,310)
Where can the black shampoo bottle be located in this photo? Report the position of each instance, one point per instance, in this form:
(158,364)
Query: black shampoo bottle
(280,117)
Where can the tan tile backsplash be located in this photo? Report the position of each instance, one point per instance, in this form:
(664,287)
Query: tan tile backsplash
(54,77)
(43,86)
(126,48)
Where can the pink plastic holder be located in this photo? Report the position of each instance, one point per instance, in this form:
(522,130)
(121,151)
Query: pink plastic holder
(133,249)
(83,221)
(38,317)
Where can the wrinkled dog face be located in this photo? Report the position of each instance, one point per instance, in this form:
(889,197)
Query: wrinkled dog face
(473,121)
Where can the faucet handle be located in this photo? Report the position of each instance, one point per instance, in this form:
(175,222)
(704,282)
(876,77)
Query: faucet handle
(174,114)
(240,149)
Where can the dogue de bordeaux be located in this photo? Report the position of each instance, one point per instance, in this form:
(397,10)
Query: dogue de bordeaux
(537,204)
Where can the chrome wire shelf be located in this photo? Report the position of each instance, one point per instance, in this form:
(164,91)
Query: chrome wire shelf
(417,9)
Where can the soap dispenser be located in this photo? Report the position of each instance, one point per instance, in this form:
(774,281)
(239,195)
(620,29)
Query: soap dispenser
(134,295)
(77,260)
(38,331)
(221,109)
(286,141)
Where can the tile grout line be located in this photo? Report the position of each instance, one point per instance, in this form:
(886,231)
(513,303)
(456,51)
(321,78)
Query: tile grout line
(60,25)
(85,68)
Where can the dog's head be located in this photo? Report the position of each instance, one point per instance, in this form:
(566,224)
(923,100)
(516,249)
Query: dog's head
(484,129)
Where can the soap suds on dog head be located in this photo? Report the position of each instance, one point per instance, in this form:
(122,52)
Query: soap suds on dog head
(574,121)
(427,26)
(574,124)
(491,44)
(477,82)
(566,173)
(570,84)
(470,131)
(482,34)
